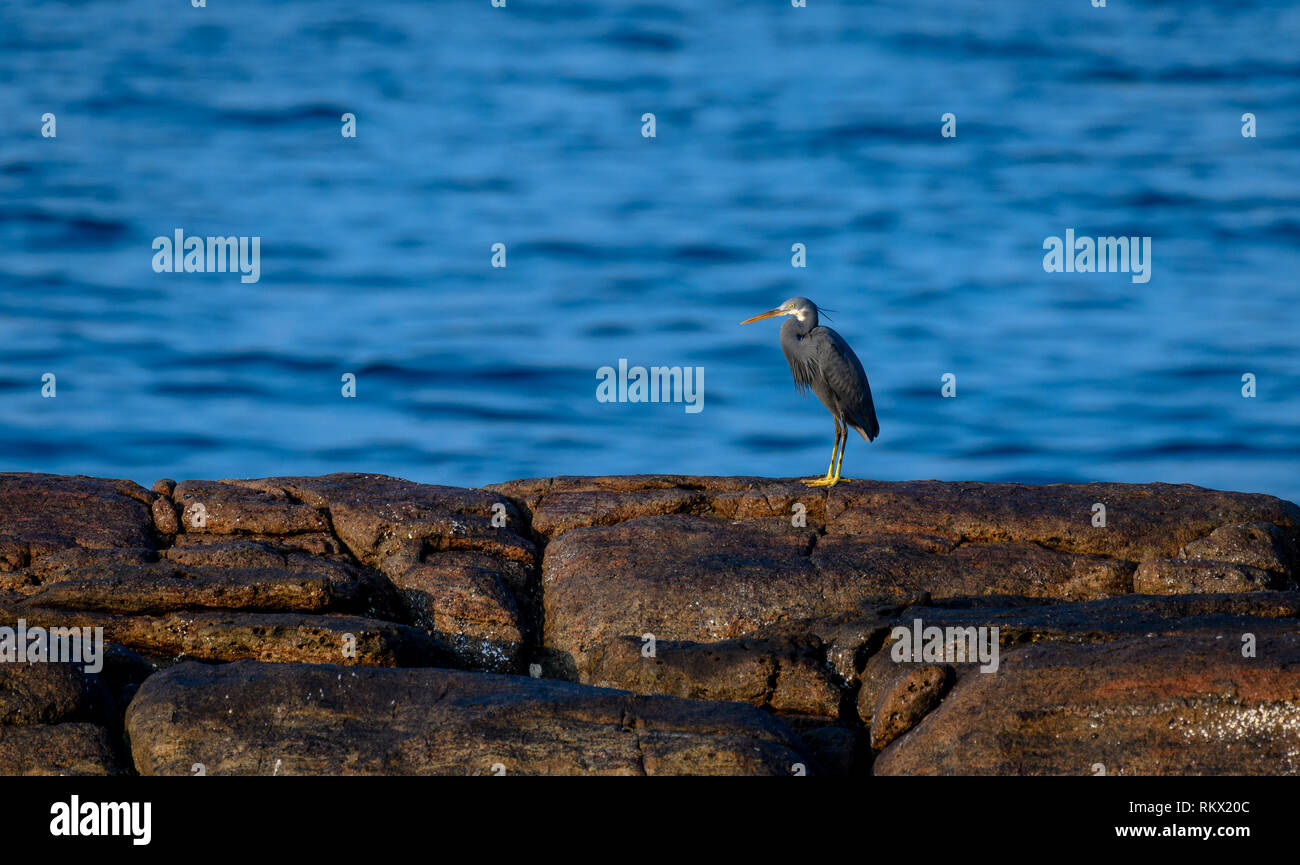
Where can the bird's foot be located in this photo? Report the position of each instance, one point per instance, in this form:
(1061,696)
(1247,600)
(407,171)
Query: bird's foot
(827,481)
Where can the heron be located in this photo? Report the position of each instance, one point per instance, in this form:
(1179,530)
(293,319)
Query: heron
(820,359)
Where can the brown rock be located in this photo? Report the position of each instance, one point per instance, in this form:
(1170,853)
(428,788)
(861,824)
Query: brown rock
(44,513)
(1108,618)
(903,564)
(704,580)
(1258,545)
(20,582)
(217,636)
(743,605)
(230,549)
(240,575)
(849,641)
(467,607)
(878,674)
(256,551)
(292,719)
(906,700)
(568,507)
(780,675)
(688,578)
(377,516)
(229,508)
(557,505)
(270,545)
(1180,704)
(1020,623)
(76,563)
(162,589)
(13,555)
(75,748)
(165,519)
(1186,576)
(1142,521)
(42,693)
(468,580)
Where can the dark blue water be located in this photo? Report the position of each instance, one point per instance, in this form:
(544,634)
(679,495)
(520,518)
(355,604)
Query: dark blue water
(522,126)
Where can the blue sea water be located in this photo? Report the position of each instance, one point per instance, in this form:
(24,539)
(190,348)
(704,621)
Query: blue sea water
(775,125)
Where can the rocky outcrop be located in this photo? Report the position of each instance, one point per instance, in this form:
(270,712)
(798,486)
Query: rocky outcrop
(295,719)
(693,562)
(343,568)
(455,557)
(45,514)
(55,718)
(1176,704)
(680,624)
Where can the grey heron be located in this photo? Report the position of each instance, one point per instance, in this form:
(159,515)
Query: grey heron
(820,359)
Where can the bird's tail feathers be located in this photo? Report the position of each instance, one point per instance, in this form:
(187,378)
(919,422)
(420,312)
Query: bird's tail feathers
(868,432)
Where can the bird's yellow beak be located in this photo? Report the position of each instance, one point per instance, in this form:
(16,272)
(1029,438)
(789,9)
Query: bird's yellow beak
(768,314)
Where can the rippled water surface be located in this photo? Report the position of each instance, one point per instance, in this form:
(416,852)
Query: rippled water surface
(523,126)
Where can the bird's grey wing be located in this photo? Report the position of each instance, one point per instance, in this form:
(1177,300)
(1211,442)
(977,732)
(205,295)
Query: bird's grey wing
(843,375)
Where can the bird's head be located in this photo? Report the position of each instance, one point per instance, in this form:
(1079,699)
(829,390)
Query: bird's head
(801,308)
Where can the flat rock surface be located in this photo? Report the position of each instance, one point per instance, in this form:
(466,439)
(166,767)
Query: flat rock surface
(230,636)
(291,719)
(156,588)
(781,675)
(707,561)
(40,514)
(721,601)
(557,505)
(1181,704)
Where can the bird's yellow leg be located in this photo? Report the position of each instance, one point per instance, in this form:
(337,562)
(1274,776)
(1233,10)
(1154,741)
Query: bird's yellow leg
(836,479)
(829,479)
(839,444)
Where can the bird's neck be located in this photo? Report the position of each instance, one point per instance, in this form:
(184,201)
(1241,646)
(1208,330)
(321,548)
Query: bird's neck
(799,329)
